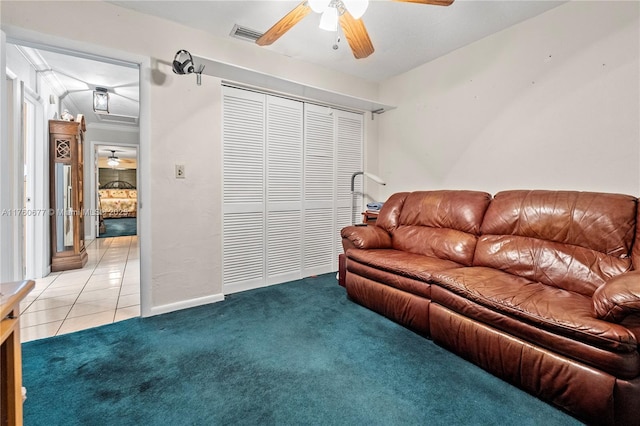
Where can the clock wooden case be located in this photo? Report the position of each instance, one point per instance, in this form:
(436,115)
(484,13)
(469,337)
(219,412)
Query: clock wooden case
(66,140)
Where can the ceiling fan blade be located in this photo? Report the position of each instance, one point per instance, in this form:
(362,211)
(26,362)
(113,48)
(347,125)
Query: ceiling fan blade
(356,35)
(284,24)
(434,2)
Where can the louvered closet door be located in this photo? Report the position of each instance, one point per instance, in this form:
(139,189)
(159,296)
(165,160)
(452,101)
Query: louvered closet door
(287,167)
(319,190)
(284,189)
(243,135)
(349,141)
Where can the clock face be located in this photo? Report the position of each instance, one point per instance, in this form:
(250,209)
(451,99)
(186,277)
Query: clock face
(101,102)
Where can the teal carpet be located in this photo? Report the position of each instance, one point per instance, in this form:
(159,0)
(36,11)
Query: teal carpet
(120,227)
(296,353)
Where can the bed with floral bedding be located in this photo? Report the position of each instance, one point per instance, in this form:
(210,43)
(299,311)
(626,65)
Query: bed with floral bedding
(118,199)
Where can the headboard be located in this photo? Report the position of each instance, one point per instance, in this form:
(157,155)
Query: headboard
(117,184)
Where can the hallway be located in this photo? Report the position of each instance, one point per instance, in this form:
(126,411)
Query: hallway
(106,290)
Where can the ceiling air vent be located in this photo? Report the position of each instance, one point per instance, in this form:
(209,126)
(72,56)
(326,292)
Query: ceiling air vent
(114,118)
(244,33)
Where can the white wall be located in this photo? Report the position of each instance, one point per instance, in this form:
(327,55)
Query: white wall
(113,134)
(185,128)
(44,95)
(25,72)
(21,67)
(551,103)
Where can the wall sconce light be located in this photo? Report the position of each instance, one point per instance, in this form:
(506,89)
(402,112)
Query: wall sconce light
(101,101)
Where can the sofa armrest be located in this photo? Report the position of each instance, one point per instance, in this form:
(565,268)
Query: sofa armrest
(618,297)
(365,237)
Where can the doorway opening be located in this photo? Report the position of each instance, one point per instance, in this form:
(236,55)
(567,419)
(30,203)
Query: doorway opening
(59,84)
(116,174)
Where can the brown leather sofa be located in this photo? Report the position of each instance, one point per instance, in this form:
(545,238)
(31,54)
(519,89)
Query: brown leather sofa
(540,288)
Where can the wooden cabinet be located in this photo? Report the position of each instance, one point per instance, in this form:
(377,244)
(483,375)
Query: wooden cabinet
(66,140)
(11,352)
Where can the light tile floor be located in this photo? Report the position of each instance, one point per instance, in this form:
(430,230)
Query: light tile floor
(106,290)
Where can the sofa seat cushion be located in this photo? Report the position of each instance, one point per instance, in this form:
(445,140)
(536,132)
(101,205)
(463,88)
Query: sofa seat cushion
(405,271)
(550,308)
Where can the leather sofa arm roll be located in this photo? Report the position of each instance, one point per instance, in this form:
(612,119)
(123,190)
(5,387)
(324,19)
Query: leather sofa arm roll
(365,237)
(617,298)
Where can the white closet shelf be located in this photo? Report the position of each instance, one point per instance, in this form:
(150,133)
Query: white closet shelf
(248,78)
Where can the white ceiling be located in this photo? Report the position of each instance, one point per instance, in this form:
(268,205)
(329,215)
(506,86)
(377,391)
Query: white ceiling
(119,151)
(404,35)
(74,79)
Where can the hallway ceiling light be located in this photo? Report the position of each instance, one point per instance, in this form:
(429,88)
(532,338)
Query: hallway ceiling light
(101,100)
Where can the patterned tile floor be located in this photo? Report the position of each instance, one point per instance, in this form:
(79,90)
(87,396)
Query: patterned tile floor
(106,290)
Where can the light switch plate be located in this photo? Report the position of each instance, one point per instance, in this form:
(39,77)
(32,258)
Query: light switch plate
(180,171)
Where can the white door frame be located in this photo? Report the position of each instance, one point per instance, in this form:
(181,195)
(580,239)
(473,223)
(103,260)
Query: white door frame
(37,195)
(6,271)
(88,50)
(93,179)
(12,184)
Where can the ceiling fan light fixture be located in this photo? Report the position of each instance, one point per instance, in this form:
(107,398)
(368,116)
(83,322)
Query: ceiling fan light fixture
(329,19)
(356,8)
(318,6)
(113,161)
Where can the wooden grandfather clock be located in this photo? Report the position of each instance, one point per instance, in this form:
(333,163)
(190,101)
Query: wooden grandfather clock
(66,140)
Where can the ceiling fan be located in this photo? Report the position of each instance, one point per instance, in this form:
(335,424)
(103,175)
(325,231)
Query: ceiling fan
(347,12)
(113,161)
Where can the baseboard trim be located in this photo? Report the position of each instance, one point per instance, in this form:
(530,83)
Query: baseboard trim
(184,304)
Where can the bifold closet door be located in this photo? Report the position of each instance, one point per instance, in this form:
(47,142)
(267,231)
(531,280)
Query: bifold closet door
(262,190)
(284,145)
(349,146)
(333,152)
(319,189)
(285,193)
(243,239)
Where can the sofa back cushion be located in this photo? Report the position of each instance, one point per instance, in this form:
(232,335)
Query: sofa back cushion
(444,224)
(567,239)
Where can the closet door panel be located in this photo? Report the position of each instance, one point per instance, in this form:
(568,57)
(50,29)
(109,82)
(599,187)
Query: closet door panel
(349,137)
(243,225)
(319,190)
(284,145)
